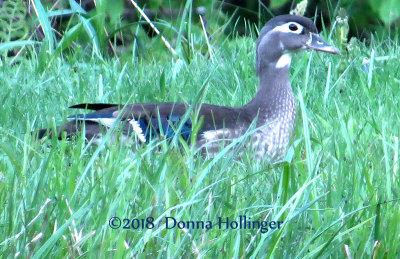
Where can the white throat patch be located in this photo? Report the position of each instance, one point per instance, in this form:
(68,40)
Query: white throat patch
(284,61)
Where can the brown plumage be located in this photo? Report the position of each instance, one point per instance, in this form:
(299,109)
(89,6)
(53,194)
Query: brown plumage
(273,107)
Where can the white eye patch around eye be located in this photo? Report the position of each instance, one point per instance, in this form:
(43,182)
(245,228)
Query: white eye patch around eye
(289,27)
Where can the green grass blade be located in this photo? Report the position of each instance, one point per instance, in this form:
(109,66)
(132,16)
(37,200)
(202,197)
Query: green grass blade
(46,26)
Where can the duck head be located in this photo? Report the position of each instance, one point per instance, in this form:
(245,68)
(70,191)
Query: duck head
(285,34)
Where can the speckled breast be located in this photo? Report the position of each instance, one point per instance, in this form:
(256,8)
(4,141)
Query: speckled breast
(271,142)
(274,139)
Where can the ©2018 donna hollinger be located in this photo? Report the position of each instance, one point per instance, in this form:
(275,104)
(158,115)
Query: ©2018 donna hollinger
(242,222)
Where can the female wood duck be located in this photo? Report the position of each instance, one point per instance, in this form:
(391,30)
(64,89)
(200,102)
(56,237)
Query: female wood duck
(273,106)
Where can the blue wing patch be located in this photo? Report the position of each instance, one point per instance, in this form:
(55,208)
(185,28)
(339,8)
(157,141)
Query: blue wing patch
(150,127)
(167,125)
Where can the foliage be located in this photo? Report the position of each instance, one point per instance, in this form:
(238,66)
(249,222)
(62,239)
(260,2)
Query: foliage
(12,25)
(336,191)
(388,10)
(66,26)
(364,16)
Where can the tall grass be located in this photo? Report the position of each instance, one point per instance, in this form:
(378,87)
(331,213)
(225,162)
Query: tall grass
(336,191)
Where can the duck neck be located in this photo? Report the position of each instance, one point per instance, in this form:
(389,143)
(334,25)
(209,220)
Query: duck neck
(273,91)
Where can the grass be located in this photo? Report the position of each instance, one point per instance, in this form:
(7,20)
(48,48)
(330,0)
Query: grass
(336,191)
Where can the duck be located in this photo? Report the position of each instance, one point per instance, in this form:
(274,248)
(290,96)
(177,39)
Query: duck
(273,107)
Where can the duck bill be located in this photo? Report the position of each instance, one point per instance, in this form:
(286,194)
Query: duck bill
(317,43)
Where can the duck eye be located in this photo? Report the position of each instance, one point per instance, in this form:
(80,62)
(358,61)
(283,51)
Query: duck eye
(293,27)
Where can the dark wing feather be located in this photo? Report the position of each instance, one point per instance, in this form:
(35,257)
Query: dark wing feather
(151,118)
(214,116)
(93,106)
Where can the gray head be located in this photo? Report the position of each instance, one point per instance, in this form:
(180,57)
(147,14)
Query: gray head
(283,35)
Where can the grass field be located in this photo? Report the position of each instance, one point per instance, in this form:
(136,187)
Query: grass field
(336,192)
